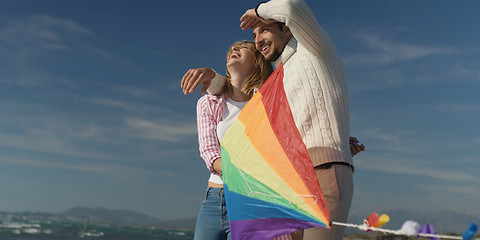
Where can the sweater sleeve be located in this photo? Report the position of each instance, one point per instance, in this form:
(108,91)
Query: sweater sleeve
(302,23)
(207,118)
(217,85)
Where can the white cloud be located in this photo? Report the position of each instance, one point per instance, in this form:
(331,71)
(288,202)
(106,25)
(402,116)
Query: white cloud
(118,104)
(399,165)
(42,137)
(52,141)
(392,141)
(382,50)
(133,91)
(25,42)
(406,152)
(467,108)
(40,33)
(460,70)
(68,165)
(105,168)
(44,129)
(467,190)
(27,78)
(144,109)
(67,139)
(162,129)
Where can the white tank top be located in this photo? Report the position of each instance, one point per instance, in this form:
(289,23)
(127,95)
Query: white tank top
(230,113)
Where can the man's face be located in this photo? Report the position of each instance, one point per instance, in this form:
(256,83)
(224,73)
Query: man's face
(270,40)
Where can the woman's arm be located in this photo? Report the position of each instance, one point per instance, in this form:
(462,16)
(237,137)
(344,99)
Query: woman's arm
(207,115)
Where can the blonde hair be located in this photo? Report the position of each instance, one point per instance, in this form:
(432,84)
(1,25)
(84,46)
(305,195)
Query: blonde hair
(263,69)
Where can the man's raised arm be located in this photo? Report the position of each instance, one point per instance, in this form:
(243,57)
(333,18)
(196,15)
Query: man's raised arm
(297,16)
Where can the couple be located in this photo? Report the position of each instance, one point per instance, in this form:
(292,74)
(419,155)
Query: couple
(285,32)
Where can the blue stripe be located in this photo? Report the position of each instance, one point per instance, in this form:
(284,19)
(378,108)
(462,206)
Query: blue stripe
(242,207)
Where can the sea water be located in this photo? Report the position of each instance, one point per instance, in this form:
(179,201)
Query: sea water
(61,230)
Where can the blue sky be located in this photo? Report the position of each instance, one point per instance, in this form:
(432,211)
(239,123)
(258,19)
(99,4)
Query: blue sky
(92,114)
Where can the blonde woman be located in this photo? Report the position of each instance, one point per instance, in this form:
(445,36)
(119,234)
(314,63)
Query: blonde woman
(247,70)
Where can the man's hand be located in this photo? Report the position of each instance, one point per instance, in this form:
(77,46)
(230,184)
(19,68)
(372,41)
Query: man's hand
(250,19)
(194,77)
(354,147)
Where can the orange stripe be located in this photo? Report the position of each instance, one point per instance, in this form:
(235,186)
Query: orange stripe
(264,140)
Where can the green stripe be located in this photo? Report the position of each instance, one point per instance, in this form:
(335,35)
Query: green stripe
(246,185)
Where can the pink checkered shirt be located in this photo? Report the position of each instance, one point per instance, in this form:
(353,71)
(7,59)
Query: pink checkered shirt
(209,114)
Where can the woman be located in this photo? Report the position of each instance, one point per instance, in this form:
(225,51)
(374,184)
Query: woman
(246,71)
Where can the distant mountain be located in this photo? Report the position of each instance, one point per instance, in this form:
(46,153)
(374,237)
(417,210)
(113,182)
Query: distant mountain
(109,216)
(443,221)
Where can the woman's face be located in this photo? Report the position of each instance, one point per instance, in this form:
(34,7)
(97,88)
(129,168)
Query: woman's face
(241,58)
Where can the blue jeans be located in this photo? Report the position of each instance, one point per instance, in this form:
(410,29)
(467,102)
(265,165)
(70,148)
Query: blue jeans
(212,220)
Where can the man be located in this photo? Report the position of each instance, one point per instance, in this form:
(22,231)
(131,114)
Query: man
(286,32)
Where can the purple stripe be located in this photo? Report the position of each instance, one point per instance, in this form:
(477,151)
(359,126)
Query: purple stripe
(257,229)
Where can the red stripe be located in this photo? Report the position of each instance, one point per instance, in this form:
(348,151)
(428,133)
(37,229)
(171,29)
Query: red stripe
(281,119)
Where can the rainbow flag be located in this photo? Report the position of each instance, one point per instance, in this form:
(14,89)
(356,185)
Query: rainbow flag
(269,181)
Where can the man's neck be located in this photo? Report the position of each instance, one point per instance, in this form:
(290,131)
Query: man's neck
(287,52)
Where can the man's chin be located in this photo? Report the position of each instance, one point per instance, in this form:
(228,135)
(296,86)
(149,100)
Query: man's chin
(272,56)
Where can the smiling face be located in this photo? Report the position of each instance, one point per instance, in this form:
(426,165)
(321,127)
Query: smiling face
(271,39)
(241,57)
(245,61)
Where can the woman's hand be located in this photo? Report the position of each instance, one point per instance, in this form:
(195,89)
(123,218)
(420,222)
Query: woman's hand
(354,147)
(217,165)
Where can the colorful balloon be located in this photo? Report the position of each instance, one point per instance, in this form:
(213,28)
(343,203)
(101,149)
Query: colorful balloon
(372,220)
(428,229)
(382,220)
(410,228)
(470,232)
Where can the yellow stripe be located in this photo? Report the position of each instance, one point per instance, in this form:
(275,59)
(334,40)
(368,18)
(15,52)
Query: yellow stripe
(267,155)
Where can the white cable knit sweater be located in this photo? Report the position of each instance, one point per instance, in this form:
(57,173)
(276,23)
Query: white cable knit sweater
(314,82)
